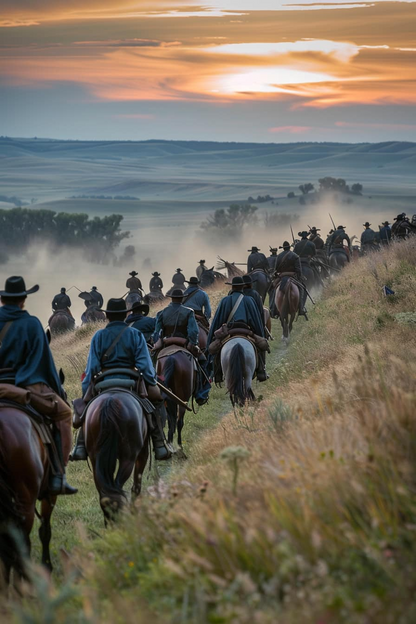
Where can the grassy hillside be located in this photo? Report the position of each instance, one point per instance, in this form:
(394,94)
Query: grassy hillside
(300,509)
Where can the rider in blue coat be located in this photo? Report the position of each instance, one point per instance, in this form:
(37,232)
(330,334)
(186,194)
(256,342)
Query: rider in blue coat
(141,321)
(197,299)
(130,351)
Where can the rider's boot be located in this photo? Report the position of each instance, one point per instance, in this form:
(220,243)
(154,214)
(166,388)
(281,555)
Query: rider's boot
(57,480)
(79,452)
(261,369)
(160,446)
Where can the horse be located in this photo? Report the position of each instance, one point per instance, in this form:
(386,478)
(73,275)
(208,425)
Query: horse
(177,372)
(210,278)
(61,322)
(238,362)
(24,476)
(287,304)
(338,259)
(232,269)
(311,276)
(134,296)
(154,297)
(92,315)
(261,282)
(267,319)
(116,430)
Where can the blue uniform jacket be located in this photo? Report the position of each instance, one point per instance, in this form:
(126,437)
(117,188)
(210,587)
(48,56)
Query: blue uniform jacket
(25,349)
(145,324)
(179,315)
(385,234)
(131,350)
(247,312)
(198,301)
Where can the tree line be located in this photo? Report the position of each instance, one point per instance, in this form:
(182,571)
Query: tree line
(96,238)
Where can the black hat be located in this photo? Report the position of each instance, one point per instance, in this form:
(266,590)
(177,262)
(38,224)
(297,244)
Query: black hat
(285,245)
(385,223)
(236,281)
(116,306)
(273,249)
(247,280)
(192,280)
(140,307)
(303,234)
(94,288)
(176,293)
(179,270)
(202,262)
(341,227)
(133,273)
(314,229)
(15,287)
(156,274)
(366,224)
(63,290)
(400,216)
(254,249)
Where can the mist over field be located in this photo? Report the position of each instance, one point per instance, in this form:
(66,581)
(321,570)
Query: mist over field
(177,185)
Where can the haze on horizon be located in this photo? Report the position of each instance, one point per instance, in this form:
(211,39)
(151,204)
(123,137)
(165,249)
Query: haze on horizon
(225,70)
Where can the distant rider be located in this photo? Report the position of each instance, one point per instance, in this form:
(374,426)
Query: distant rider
(133,283)
(62,302)
(272,259)
(385,233)
(248,291)
(156,284)
(140,320)
(96,297)
(178,279)
(336,242)
(288,262)
(201,268)
(368,238)
(256,260)
(197,299)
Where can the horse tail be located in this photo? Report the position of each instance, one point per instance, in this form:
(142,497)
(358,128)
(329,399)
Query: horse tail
(11,538)
(107,452)
(237,374)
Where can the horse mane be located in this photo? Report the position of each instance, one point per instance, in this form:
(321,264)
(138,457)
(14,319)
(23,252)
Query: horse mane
(107,450)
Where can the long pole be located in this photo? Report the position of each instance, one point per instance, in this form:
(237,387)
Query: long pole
(173,396)
(332,221)
(293,238)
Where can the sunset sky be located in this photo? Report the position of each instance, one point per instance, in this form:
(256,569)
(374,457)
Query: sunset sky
(225,70)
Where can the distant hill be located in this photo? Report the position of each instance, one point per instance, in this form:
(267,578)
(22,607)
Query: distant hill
(47,169)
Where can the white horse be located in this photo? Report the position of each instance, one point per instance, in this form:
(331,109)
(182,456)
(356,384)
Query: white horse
(238,361)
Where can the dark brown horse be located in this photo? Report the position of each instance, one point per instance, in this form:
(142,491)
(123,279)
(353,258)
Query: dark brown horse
(92,315)
(116,431)
(61,322)
(24,474)
(287,304)
(177,372)
(261,282)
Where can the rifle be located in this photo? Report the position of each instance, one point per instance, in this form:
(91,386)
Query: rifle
(332,221)
(173,396)
(293,238)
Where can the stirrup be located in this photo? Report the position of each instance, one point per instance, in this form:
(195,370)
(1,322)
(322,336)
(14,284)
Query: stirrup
(58,485)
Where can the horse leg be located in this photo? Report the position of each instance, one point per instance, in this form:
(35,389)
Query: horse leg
(139,468)
(172,411)
(181,414)
(45,531)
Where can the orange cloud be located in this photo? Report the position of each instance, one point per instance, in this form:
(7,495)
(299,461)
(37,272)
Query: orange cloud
(291,129)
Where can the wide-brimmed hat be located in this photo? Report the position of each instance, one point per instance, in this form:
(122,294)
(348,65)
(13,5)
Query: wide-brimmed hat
(133,273)
(93,287)
(192,280)
(272,249)
(303,234)
(315,229)
(202,262)
(179,270)
(15,287)
(140,307)
(236,281)
(400,216)
(254,249)
(116,306)
(285,245)
(156,274)
(385,223)
(176,293)
(366,224)
(63,290)
(247,280)
(341,227)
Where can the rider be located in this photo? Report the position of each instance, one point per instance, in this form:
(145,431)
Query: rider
(61,302)
(256,260)
(401,228)
(368,238)
(272,259)
(201,268)
(178,321)
(385,233)
(316,239)
(133,283)
(336,241)
(155,284)
(178,280)
(121,346)
(197,299)
(25,354)
(140,320)
(305,248)
(241,310)
(249,291)
(289,262)
(96,297)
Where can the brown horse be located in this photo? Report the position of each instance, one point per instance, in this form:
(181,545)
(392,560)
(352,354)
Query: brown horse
(177,372)
(92,315)
(116,431)
(24,474)
(287,304)
(61,322)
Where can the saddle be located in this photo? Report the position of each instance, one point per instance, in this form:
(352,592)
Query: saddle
(238,330)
